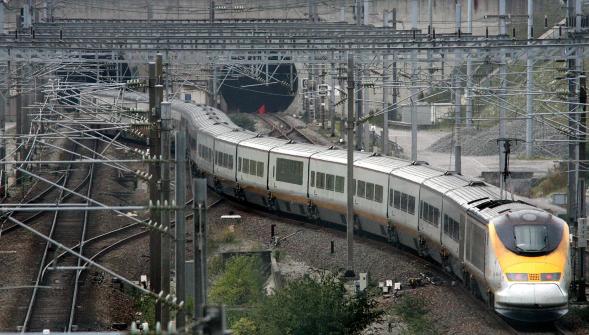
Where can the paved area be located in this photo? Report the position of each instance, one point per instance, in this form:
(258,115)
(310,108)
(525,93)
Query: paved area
(471,165)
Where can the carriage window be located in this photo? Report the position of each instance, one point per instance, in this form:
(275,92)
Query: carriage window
(320,180)
(378,193)
(253,167)
(361,189)
(312,178)
(411,205)
(404,202)
(260,169)
(391,194)
(353,186)
(289,171)
(451,228)
(246,165)
(397,200)
(370,191)
(239,164)
(339,184)
(429,214)
(329,182)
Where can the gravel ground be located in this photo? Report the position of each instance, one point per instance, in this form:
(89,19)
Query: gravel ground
(451,310)
(99,304)
(484,142)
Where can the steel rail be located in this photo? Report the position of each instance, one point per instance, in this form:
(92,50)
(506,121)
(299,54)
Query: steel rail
(81,245)
(41,271)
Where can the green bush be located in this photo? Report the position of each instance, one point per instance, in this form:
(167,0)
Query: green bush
(243,120)
(241,283)
(307,306)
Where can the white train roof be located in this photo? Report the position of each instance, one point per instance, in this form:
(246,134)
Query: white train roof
(383,164)
(299,149)
(338,156)
(263,143)
(417,173)
(237,135)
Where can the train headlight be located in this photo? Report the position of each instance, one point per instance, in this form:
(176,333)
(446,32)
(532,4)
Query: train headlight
(517,276)
(555,276)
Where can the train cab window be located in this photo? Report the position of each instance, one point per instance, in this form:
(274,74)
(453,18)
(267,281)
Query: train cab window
(320,180)
(535,238)
(329,182)
(361,190)
(339,184)
(260,169)
(312,178)
(530,238)
(289,171)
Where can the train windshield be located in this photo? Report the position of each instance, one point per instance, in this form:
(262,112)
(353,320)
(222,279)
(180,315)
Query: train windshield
(530,238)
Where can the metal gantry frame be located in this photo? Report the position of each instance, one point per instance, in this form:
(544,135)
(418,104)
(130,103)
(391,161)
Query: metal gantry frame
(388,58)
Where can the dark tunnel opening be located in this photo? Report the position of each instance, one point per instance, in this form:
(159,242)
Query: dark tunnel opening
(247,93)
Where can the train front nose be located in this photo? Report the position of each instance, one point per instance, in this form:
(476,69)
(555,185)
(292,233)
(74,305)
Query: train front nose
(532,301)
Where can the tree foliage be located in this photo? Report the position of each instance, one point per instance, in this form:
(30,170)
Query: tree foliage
(241,282)
(307,306)
(243,120)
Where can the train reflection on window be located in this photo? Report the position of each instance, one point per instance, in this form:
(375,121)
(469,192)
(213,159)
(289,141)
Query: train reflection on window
(530,238)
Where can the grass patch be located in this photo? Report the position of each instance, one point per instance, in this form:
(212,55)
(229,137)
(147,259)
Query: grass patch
(144,304)
(413,311)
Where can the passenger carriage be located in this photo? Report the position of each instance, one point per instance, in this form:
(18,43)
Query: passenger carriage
(226,160)
(289,176)
(252,168)
(327,185)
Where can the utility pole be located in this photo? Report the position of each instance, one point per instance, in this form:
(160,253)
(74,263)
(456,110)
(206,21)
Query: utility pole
(386,89)
(180,229)
(359,109)
(199,244)
(2,18)
(582,297)
(212,12)
(155,98)
(350,170)
(530,85)
(385,105)
(414,11)
(458,97)
(468,93)
(166,118)
(502,92)
(430,27)
(332,99)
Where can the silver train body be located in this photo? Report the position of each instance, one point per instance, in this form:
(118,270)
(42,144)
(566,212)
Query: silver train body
(500,249)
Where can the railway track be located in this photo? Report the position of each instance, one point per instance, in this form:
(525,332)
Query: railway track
(54,307)
(284,129)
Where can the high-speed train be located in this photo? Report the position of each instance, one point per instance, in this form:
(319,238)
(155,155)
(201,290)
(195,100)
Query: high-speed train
(513,255)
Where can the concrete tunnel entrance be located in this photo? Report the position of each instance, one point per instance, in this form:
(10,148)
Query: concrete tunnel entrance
(274,88)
